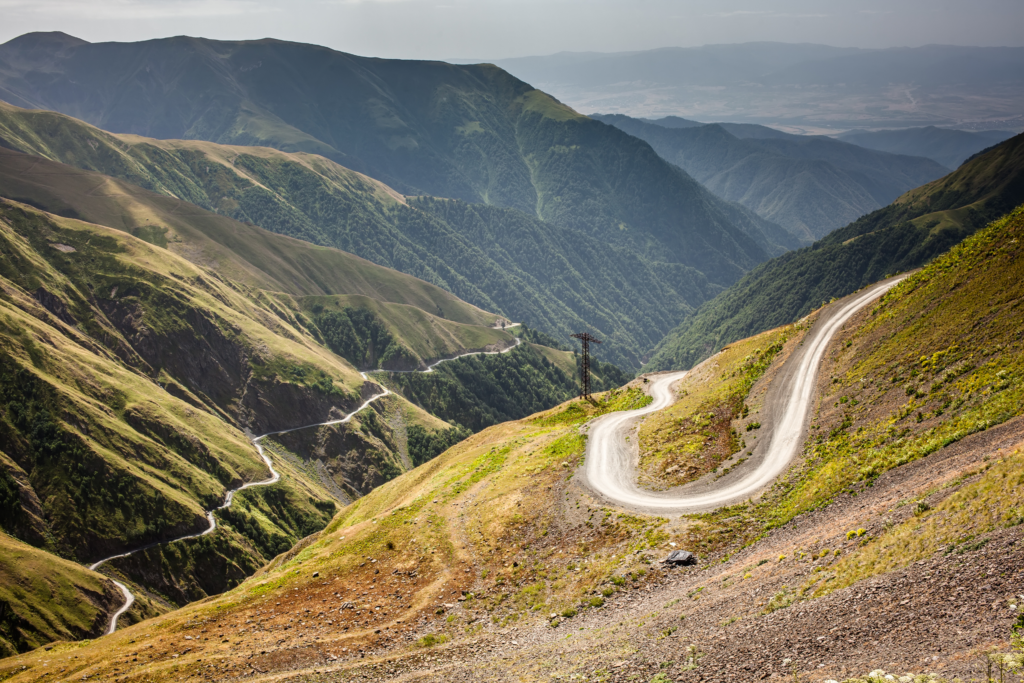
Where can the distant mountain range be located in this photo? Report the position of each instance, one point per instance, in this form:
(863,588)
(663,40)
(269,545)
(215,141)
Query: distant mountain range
(809,185)
(813,88)
(908,233)
(948,147)
(585,225)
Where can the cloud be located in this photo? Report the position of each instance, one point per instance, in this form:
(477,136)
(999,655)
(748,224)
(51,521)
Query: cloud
(765,13)
(363,2)
(737,13)
(135,9)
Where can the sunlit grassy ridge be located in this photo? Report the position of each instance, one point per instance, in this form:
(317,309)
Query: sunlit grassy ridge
(45,598)
(526,252)
(940,353)
(958,365)
(110,453)
(241,252)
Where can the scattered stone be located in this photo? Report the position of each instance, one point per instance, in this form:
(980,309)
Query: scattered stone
(679,558)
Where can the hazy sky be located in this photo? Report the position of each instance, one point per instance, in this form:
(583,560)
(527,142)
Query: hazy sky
(439,29)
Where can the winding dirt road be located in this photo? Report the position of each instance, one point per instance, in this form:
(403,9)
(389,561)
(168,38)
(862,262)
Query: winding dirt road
(610,467)
(275,476)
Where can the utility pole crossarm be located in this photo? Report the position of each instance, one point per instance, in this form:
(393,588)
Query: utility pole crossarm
(585,338)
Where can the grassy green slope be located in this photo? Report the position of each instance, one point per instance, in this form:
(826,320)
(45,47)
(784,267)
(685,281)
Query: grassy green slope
(499,511)
(906,234)
(152,347)
(128,375)
(503,260)
(250,256)
(45,598)
(112,444)
(809,185)
(937,359)
(244,254)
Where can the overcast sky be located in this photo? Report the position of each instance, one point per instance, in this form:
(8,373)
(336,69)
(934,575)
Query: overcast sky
(494,29)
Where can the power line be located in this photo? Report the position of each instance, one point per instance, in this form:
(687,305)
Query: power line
(586,338)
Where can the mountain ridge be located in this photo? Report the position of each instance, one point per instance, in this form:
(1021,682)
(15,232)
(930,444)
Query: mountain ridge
(810,185)
(467,132)
(487,557)
(917,227)
(133,378)
(556,278)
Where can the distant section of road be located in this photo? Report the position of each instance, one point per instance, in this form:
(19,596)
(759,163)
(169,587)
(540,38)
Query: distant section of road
(610,468)
(430,368)
(274,477)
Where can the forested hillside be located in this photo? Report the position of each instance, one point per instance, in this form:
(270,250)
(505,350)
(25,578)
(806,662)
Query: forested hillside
(908,233)
(810,185)
(471,132)
(481,391)
(557,279)
(947,146)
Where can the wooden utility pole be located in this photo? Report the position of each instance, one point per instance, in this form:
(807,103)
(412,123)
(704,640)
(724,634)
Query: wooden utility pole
(586,338)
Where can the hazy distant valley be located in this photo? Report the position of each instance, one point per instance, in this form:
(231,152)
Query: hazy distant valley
(800,88)
(286,351)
